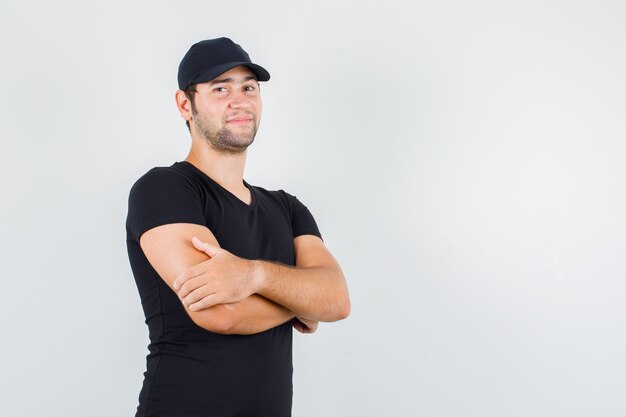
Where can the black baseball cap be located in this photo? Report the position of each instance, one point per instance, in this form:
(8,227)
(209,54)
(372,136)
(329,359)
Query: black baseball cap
(207,59)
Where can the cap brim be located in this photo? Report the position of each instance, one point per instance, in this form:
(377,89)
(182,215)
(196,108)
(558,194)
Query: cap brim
(260,72)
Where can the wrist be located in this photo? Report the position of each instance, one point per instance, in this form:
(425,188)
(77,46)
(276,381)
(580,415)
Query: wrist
(259,275)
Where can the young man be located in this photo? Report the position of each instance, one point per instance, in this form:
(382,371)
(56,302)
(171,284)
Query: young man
(224,269)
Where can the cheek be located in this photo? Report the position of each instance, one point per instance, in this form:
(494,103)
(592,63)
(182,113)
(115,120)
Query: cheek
(216,111)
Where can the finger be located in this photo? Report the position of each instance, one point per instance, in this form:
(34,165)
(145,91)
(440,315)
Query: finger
(188,274)
(206,302)
(196,295)
(310,325)
(189,286)
(205,247)
(298,326)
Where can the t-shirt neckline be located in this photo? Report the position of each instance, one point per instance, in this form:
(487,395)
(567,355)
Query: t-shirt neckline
(217,184)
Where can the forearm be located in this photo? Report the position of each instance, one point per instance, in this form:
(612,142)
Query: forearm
(254,314)
(314,289)
(316,293)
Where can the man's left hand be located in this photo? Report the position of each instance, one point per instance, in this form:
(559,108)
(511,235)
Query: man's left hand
(304,325)
(222,279)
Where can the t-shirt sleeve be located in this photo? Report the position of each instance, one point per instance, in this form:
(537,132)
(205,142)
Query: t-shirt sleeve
(163,196)
(302,221)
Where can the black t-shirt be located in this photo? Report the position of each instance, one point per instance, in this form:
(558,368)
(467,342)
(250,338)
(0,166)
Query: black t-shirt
(191,371)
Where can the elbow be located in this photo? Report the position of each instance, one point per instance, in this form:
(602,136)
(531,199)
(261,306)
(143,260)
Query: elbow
(344,310)
(345,307)
(341,304)
(341,310)
(222,326)
(214,319)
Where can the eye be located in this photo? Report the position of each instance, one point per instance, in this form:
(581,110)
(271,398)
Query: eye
(249,88)
(220,89)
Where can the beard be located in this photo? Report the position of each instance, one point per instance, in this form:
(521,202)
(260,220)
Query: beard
(222,139)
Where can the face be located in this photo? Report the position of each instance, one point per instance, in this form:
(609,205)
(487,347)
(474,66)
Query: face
(226,111)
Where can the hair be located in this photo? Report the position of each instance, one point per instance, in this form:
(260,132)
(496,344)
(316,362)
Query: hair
(189,93)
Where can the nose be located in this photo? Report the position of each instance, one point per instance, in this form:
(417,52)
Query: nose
(239,100)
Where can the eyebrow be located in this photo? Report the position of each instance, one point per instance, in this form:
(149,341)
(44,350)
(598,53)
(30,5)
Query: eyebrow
(232,80)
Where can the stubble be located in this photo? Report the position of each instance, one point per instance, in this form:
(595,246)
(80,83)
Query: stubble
(222,139)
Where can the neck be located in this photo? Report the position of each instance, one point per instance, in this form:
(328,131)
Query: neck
(224,168)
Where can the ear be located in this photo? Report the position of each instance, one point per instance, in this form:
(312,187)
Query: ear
(184,105)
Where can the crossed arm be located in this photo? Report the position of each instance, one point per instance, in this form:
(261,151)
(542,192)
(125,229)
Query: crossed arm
(226,294)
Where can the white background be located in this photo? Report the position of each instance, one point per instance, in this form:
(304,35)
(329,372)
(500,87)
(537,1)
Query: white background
(464,161)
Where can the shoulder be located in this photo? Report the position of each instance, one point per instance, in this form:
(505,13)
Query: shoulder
(161,196)
(159,179)
(281,197)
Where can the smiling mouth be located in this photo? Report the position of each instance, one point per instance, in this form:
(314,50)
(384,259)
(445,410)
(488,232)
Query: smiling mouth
(240,118)
(239,121)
